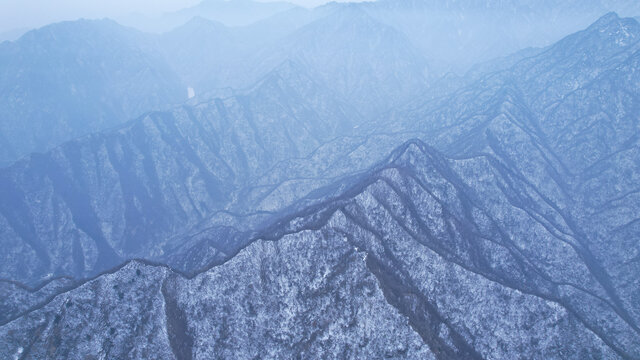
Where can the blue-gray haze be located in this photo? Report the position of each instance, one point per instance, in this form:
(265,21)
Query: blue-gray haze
(429,179)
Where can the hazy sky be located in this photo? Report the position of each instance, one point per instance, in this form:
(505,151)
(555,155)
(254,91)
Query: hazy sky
(16,14)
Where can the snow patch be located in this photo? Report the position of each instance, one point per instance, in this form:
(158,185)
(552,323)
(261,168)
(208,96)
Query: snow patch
(18,353)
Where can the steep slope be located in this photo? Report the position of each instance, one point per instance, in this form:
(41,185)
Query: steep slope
(16,298)
(570,134)
(208,55)
(498,114)
(369,64)
(202,52)
(481,215)
(535,88)
(426,257)
(74,78)
(86,205)
(456,34)
(573,103)
(12,35)
(521,241)
(533,95)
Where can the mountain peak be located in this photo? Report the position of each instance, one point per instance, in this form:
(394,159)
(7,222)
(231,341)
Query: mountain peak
(202,21)
(288,66)
(613,24)
(602,39)
(199,23)
(288,70)
(81,30)
(414,151)
(606,22)
(606,19)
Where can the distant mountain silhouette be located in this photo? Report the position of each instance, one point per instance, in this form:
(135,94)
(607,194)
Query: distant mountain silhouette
(73,78)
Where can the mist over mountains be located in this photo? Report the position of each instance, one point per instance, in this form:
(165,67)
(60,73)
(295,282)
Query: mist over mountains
(390,179)
(385,45)
(69,79)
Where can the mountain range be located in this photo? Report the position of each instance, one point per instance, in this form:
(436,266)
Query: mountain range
(497,218)
(75,78)
(122,193)
(456,34)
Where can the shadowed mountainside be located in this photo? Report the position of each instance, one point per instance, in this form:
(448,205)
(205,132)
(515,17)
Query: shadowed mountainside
(367,268)
(86,205)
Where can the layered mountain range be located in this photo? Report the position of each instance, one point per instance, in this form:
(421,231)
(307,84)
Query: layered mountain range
(94,201)
(367,63)
(456,34)
(280,226)
(75,78)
